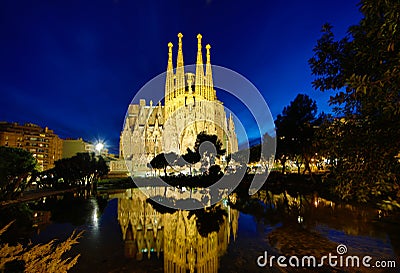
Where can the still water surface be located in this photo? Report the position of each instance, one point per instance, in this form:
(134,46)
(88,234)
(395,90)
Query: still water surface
(126,233)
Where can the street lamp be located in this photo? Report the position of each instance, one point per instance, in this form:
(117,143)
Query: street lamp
(99,146)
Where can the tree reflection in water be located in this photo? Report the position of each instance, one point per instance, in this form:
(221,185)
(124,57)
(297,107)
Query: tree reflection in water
(309,224)
(185,241)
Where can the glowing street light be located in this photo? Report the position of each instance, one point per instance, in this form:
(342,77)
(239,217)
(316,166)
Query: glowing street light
(99,146)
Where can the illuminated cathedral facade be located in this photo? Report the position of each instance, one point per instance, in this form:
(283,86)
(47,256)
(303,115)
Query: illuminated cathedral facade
(190,107)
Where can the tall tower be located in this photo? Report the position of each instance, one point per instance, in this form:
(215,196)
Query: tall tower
(209,85)
(191,107)
(169,82)
(199,81)
(180,72)
(177,91)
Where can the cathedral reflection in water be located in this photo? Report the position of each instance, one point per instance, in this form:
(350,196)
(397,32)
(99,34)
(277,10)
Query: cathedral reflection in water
(174,234)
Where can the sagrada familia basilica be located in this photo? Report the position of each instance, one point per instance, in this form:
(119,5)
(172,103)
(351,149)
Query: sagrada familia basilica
(190,107)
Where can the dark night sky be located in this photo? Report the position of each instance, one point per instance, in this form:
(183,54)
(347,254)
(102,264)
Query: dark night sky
(75,65)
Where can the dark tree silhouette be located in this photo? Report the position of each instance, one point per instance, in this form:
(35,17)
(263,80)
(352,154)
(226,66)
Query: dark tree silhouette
(209,219)
(82,169)
(257,152)
(208,147)
(213,139)
(214,170)
(162,161)
(17,170)
(191,158)
(363,71)
(295,132)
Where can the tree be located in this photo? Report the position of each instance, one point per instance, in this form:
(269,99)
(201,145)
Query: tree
(295,129)
(214,171)
(269,146)
(363,70)
(191,158)
(82,169)
(256,153)
(209,219)
(101,169)
(17,170)
(162,161)
(208,147)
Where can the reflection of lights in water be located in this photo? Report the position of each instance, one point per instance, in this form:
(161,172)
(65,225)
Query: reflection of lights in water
(300,219)
(95,214)
(145,250)
(95,220)
(35,215)
(232,198)
(44,199)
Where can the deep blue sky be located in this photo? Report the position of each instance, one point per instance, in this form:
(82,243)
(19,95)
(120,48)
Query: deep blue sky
(75,65)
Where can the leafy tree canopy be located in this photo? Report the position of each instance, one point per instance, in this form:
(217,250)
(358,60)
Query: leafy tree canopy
(295,129)
(190,158)
(84,168)
(17,167)
(363,71)
(212,145)
(163,160)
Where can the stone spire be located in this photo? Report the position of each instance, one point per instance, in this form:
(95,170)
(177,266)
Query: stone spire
(199,81)
(209,80)
(180,73)
(169,82)
(231,125)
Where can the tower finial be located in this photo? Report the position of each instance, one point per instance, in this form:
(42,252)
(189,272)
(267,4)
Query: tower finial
(180,54)
(199,40)
(180,73)
(199,81)
(209,85)
(170,45)
(208,53)
(169,81)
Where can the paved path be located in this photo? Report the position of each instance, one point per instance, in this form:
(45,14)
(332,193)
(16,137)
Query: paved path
(33,195)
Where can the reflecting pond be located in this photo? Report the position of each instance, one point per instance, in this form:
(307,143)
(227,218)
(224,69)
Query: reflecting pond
(126,232)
